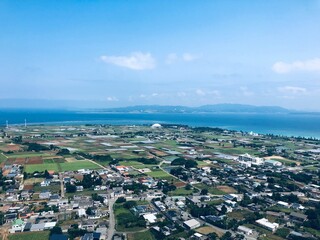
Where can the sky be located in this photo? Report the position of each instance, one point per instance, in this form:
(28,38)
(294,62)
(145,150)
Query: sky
(122,53)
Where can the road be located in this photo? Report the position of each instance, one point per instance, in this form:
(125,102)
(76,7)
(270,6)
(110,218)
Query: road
(112,222)
(61,185)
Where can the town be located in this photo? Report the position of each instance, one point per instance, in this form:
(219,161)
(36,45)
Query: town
(160,181)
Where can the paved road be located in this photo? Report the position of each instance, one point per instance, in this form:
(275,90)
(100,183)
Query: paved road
(112,223)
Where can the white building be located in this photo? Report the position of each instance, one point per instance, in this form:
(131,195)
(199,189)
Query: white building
(151,217)
(191,224)
(268,225)
(245,230)
(272,163)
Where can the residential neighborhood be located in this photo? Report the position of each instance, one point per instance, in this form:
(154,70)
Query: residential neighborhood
(102,182)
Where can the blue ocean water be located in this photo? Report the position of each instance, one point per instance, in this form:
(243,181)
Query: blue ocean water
(288,124)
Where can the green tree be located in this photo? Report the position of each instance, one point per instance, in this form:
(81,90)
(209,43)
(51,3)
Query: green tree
(56,230)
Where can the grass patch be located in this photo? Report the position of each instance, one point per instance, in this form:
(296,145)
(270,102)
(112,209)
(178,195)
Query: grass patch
(2,157)
(74,166)
(31,168)
(30,236)
(239,214)
(159,174)
(313,232)
(140,235)
(122,213)
(180,192)
(65,166)
(207,230)
(25,155)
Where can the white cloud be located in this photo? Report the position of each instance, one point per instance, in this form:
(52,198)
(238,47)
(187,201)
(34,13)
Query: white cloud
(246,92)
(135,61)
(181,94)
(112,99)
(292,90)
(311,65)
(214,93)
(188,57)
(171,58)
(200,92)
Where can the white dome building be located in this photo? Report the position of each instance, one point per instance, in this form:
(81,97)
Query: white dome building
(156,126)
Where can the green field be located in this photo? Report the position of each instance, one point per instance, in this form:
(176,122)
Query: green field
(180,192)
(159,174)
(31,168)
(74,166)
(30,236)
(140,235)
(120,210)
(2,157)
(57,167)
(28,154)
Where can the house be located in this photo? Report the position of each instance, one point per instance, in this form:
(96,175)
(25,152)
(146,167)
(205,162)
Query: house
(141,210)
(245,230)
(45,194)
(45,183)
(272,163)
(150,218)
(230,197)
(268,225)
(191,224)
(283,204)
(17,226)
(91,236)
(298,216)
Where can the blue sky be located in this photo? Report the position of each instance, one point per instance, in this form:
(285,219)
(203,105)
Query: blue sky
(119,53)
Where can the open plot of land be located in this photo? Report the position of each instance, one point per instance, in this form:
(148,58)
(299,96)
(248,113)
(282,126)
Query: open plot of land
(207,230)
(74,166)
(226,189)
(31,168)
(2,157)
(158,174)
(28,154)
(283,160)
(140,235)
(239,214)
(57,167)
(180,192)
(212,190)
(30,236)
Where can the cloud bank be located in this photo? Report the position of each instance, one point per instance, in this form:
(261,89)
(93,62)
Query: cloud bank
(135,61)
(311,65)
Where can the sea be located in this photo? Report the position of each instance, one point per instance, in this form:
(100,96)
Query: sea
(286,124)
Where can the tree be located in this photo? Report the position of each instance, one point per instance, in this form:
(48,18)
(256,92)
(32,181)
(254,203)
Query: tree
(63,151)
(179,161)
(70,188)
(204,191)
(130,204)
(89,211)
(226,236)
(213,236)
(121,200)
(191,164)
(46,174)
(188,187)
(224,210)
(56,230)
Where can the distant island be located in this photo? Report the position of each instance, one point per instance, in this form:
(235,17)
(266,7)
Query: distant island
(216,108)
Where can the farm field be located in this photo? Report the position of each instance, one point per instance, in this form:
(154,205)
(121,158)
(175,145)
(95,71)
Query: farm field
(146,235)
(31,168)
(57,167)
(30,236)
